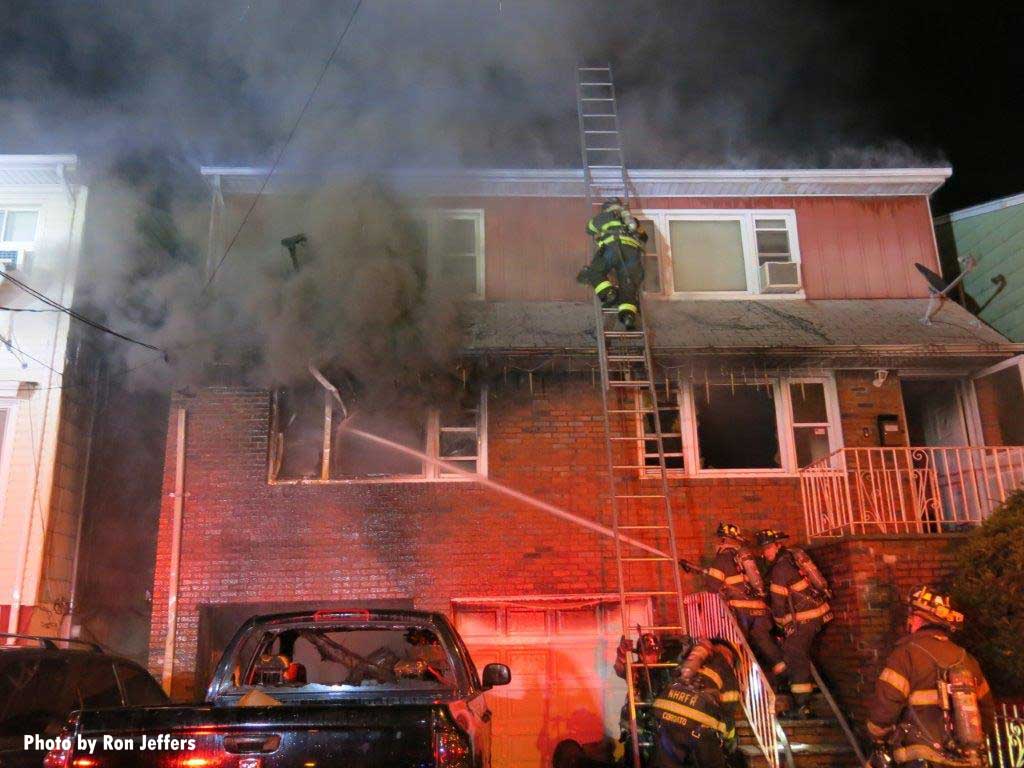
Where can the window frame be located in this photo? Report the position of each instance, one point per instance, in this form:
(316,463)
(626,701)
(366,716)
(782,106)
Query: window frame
(433,218)
(428,472)
(784,425)
(22,247)
(661,219)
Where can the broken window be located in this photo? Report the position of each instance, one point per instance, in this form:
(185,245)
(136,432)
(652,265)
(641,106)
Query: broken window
(309,443)
(812,436)
(737,426)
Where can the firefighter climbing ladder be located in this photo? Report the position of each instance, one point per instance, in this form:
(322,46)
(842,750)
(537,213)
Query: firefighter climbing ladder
(640,504)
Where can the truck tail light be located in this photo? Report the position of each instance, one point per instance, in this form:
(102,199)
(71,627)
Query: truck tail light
(452,748)
(60,757)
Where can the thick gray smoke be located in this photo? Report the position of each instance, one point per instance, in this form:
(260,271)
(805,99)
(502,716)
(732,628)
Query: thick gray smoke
(146,91)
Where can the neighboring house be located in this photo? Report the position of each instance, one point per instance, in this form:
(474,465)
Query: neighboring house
(45,404)
(993,233)
(787,326)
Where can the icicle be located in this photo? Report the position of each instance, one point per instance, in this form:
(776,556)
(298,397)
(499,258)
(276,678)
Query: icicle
(732,383)
(529,376)
(707,387)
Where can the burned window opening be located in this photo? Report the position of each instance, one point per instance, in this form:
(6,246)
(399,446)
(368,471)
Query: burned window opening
(737,427)
(308,443)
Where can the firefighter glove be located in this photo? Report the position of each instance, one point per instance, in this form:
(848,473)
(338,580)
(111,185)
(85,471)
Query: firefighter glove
(880,758)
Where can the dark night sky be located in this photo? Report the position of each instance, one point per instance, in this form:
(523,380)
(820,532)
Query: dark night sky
(703,84)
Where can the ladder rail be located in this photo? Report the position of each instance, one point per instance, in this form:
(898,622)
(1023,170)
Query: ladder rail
(606,157)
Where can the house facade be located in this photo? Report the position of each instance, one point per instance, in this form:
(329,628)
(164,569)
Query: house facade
(45,386)
(799,389)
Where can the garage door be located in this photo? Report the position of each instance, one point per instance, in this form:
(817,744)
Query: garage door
(561,652)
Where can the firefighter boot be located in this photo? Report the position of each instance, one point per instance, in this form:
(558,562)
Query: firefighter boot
(627,316)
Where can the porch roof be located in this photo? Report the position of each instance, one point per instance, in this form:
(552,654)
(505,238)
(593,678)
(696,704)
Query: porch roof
(850,329)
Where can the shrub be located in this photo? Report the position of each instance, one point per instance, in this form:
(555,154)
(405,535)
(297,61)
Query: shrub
(988,588)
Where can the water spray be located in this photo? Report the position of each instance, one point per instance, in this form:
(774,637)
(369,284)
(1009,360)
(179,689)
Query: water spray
(499,488)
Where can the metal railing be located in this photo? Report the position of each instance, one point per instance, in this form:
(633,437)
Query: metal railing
(707,615)
(1006,743)
(908,490)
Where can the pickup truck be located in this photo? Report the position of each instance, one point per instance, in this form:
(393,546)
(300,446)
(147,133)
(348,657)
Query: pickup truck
(353,688)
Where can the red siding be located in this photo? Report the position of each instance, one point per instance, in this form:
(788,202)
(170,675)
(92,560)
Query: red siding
(852,247)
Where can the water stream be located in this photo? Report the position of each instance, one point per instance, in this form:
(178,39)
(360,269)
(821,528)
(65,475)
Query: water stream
(499,488)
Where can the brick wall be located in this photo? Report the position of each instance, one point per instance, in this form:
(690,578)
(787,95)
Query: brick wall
(870,576)
(247,541)
(861,402)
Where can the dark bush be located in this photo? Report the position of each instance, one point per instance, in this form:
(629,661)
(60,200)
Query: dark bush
(988,588)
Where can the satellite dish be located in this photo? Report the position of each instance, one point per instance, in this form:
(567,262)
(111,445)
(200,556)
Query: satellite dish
(935,281)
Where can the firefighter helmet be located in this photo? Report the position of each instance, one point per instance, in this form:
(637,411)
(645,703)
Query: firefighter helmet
(926,602)
(612,204)
(769,536)
(648,643)
(729,531)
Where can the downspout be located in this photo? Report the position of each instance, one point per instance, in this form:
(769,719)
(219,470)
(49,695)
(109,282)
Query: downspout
(172,579)
(74,242)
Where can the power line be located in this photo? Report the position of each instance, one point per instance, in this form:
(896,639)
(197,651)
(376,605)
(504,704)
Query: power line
(287,141)
(72,313)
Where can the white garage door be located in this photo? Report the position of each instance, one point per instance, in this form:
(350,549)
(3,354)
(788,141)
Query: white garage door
(560,651)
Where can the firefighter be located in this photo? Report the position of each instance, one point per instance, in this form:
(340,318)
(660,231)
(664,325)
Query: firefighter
(620,242)
(650,679)
(696,716)
(799,600)
(734,575)
(932,704)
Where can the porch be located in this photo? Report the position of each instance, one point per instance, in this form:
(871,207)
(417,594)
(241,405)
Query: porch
(907,490)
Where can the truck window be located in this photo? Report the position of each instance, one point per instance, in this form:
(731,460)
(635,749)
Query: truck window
(364,657)
(96,685)
(140,690)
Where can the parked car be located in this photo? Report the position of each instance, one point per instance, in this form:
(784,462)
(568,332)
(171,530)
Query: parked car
(43,680)
(360,689)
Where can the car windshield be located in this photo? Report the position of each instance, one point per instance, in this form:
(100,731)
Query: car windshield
(315,659)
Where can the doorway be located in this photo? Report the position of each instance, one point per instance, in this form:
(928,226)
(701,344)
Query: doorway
(935,412)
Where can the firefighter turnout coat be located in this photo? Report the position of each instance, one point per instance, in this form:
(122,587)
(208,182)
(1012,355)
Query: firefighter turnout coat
(906,709)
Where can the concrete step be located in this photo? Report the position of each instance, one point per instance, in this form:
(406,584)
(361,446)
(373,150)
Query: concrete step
(815,742)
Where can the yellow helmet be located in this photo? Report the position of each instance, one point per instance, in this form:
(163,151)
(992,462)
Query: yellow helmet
(931,605)
(729,531)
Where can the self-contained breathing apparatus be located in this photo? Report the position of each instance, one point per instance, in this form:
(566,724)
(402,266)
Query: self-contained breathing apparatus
(808,570)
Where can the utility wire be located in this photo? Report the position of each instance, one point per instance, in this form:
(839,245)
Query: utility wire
(72,313)
(287,141)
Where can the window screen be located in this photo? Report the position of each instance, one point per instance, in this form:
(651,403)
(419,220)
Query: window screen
(456,255)
(737,427)
(707,256)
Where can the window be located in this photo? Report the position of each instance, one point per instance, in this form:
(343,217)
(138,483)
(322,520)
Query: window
(140,690)
(96,685)
(455,246)
(726,426)
(308,444)
(17,237)
(722,253)
(812,432)
(652,260)
(737,427)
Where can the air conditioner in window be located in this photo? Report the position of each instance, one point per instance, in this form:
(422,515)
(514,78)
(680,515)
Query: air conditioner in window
(780,277)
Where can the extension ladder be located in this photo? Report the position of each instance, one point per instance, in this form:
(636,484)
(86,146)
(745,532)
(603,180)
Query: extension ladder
(638,480)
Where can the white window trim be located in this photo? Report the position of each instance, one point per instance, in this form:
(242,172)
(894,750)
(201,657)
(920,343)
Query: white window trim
(21,246)
(432,443)
(433,218)
(7,450)
(783,424)
(661,217)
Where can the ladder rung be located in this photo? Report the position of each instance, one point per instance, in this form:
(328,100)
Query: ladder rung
(661,628)
(624,334)
(624,383)
(593,69)
(627,359)
(596,98)
(649,593)
(598,114)
(600,131)
(642,496)
(643,527)
(607,167)
(651,559)
(606,82)
(602,149)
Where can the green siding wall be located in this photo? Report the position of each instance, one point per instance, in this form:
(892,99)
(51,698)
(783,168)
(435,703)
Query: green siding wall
(996,239)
